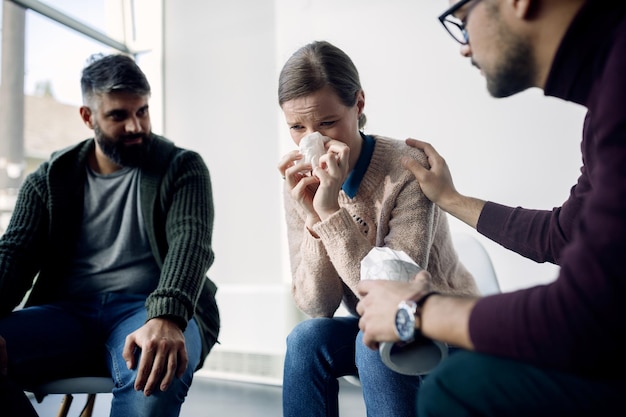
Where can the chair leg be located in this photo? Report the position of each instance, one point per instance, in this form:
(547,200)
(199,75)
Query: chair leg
(88,410)
(65,405)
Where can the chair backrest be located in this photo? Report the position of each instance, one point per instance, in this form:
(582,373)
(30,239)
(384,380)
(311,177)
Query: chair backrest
(476,259)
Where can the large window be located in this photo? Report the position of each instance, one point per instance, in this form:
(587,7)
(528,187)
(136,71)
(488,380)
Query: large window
(58,37)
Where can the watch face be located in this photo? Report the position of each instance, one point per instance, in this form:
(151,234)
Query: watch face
(405,324)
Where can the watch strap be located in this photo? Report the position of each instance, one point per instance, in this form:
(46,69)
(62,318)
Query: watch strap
(420,303)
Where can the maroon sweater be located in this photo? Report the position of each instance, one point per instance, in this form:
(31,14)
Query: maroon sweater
(577,322)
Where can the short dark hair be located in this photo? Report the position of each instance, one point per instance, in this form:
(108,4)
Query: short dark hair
(108,73)
(315,66)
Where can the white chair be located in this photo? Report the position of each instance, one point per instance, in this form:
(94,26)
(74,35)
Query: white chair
(477,261)
(67,387)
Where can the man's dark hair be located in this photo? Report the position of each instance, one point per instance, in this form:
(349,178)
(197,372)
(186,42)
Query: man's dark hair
(109,73)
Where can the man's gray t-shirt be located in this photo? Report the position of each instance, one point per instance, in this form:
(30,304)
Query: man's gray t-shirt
(113,253)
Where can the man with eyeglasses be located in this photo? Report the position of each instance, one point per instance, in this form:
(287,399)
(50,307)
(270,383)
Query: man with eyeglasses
(555,349)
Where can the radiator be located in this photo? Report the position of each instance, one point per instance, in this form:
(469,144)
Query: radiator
(256,319)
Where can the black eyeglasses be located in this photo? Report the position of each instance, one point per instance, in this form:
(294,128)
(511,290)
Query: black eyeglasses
(455,26)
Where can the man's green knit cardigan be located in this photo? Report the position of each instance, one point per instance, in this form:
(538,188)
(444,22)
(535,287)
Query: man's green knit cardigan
(177,207)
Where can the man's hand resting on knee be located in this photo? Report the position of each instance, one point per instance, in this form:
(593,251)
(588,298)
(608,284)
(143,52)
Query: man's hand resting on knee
(163,354)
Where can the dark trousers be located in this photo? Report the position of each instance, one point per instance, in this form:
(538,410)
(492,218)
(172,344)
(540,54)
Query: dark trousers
(474,384)
(13,401)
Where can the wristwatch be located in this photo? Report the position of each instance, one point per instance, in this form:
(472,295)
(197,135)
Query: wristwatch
(405,316)
(405,320)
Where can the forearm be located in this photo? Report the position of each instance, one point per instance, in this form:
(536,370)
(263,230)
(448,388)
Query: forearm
(183,273)
(539,235)
(466,209)
(446,318)
(186,253)
(20,246)
(345,246)
(316,286)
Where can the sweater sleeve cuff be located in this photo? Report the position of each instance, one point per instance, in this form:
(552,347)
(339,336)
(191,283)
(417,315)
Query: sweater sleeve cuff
(170,308)
(492,219)
(338,224)
(312,245)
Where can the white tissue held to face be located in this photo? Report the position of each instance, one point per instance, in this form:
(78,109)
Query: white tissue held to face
(312,147)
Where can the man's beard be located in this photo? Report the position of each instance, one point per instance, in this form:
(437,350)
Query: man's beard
(516,71)
(120,153)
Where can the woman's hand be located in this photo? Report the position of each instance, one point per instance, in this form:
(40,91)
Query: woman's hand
(332,171)
(300,182)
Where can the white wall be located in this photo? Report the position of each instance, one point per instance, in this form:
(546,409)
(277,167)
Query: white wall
(222,61)
(220,71)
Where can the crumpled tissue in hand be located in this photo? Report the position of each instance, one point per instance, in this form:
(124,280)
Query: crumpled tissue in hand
(422,355)
(312,147)
(388,264)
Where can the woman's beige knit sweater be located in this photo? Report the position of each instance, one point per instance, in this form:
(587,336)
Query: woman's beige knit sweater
(389,210)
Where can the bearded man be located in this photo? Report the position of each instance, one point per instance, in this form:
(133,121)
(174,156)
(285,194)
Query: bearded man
(114,237)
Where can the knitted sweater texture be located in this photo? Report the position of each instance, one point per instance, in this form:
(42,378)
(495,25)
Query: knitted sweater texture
(389,210)
(177,207)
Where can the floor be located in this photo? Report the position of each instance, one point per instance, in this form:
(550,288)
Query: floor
(212,397)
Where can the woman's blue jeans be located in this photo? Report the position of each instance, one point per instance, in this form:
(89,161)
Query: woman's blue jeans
(319,351)
(87,338)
